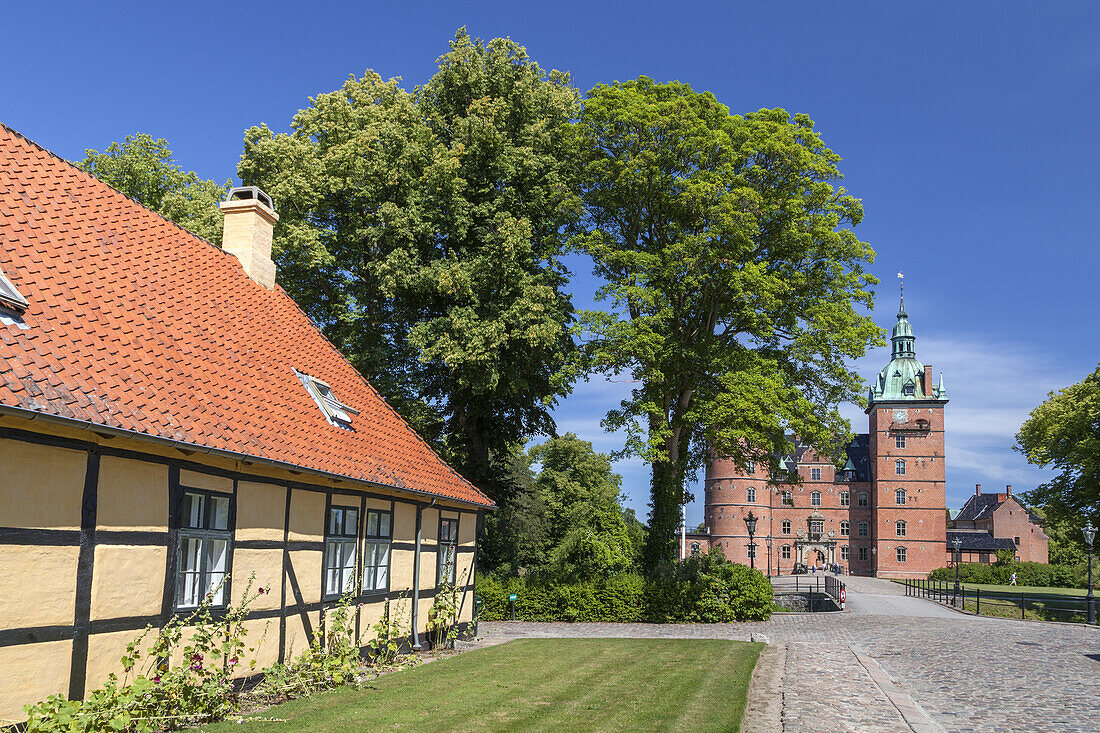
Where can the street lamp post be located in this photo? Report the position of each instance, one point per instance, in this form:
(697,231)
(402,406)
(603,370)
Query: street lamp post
(957,542)
(750,523)
(1090,603)
(769,541)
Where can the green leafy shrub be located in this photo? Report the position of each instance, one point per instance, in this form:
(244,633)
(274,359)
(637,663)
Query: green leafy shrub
(1027,573)
(705,588)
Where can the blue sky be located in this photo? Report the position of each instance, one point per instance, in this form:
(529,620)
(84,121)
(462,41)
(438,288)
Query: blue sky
(967,129)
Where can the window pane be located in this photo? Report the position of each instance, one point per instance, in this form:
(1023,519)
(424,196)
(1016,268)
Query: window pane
(351,522)
(219,508)
(382,578)
(191,516)
(372,524)
(384,528)
(335,519)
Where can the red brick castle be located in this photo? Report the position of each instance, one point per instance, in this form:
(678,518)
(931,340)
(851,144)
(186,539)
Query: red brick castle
(883,513)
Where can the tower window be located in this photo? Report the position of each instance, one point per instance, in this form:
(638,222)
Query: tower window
(750,467)
(750,496)
(862,499)
(899,496)
(899,468)
(845,498)
(901,554)
(899,528)
(862,529)
(817,526)
(785,526)
(815,498)
(909,390)
(787,498)
(899,441)
(815,474)
(862,553)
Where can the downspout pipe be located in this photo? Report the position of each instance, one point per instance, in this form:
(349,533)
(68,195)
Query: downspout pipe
(416,646)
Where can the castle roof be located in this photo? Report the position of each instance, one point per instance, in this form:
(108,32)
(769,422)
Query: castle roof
(978,540)
(982,506)
(135,326)
(903,378)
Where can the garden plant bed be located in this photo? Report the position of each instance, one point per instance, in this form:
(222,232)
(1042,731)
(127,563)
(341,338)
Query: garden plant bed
(540,684)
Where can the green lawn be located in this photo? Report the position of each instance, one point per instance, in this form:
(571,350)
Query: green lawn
(542,684)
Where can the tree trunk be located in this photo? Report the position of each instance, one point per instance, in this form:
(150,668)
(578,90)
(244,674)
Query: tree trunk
(667,494)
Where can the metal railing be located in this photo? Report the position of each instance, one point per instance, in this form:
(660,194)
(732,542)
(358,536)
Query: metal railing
(814,587)
(1003,603)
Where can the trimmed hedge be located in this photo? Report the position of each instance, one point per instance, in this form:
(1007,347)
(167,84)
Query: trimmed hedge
(1027,573)
(701,589)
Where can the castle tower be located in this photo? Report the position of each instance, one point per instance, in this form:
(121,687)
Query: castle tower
(908,469)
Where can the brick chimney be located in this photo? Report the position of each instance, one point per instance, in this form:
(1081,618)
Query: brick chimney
(927,380)
(246,232)
(977,489)
(1008,489)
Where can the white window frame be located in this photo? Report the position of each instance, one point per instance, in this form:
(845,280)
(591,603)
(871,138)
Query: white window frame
(785,526)
(845,528)
(899,497)
(862,529)
(899,441)
(900,528)
(845,498)
(377,541)
(845,554)
(335,411)
(815,498)
(901,554)
(815,474)
(341,550)
(750,495)
(899,467)
(204,543)
(785,552)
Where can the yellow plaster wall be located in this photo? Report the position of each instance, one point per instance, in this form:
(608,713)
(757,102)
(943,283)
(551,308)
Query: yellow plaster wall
(307,570)
(30,673)
(429,528)
(133,495)
(196,480)
(296,639)
(467,529)
(260,511)
(41,486)
(401,569)
(380,504)
(37,585)
(307,516)
(263,636)
(105,652)
(268,567)
(127,581)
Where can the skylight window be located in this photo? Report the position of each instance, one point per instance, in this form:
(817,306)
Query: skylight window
(335,411)
(10,297)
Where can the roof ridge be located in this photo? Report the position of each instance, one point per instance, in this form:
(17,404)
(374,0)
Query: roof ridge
(80,170)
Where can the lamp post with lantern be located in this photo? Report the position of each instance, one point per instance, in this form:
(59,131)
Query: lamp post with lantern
(769,541)
(750,524)
(1090,604)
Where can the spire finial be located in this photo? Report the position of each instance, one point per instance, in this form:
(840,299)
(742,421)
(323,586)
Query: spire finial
(901,290)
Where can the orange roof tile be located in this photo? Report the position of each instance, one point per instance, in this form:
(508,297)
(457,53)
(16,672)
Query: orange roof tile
(138,325)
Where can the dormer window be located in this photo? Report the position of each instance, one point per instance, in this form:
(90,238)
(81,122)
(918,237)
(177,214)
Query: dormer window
(12,303)
(909,390)
(335,411)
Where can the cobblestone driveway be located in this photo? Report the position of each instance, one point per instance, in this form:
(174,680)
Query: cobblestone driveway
(967,673)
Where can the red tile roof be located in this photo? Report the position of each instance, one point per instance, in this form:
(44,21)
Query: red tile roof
(138,325)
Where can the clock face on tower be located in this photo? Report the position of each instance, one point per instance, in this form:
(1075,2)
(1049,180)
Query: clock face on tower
(901,415)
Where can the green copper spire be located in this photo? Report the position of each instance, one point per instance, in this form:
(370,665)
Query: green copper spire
(903,379)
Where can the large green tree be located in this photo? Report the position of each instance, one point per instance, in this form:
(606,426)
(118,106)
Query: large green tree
(735,286)
(143,168)
(1064,434)
(423,232)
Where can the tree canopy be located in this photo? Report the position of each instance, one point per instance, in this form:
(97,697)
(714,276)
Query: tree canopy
(143,168)
(423,232)
(734,281)
(1064,434)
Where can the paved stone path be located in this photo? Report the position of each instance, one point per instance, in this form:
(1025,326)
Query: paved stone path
(893,664)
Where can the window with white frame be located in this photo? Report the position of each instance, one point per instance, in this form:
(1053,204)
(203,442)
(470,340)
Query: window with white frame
(844,552)
(815,498)
(750,495)
(785,526)
(899,441)
(899,496)
(787,498)
(448,551)
(845,498)
(750,467)
(845,527)
(900,554)
(752,551)
(862,499)
(817,526)
(785,552)
(341,537)
(815,474)
(377,535)
(862,529)
(899,528)
(335,411)
(203,551)
(899,468)
(862,553)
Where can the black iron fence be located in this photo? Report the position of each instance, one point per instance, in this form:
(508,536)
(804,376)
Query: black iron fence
(821,592)
(1004,603)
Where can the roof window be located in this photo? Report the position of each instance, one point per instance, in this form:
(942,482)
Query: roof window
(335,411)
(10,297)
